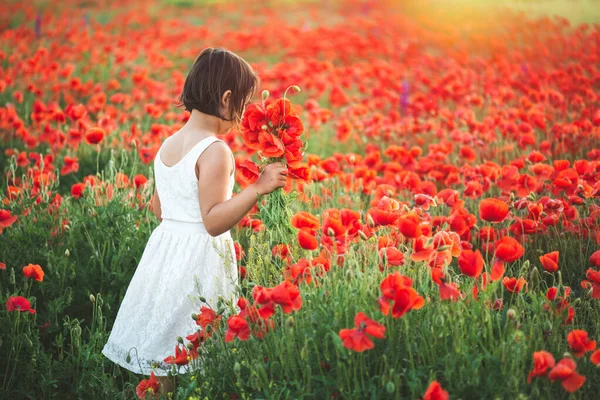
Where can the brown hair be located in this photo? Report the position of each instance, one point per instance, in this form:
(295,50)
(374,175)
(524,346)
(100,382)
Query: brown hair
(215,71)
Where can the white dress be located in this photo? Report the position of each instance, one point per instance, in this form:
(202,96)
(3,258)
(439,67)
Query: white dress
(180,263)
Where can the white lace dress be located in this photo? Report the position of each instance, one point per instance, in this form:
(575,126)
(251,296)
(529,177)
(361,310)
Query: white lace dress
(180,263)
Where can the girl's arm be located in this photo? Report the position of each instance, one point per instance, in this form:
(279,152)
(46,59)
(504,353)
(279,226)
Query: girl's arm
(218,213)
(156,205)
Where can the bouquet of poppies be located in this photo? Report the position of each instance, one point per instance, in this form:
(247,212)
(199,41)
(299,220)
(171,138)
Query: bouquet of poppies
(273,130)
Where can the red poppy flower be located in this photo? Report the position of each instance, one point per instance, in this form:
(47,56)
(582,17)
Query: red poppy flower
(508,249)
(139,180)
(493,210)
(550,261)
(542,362)
(435,392)
(94,135)
(565,372)
(2,265)
(514,285)
(287,295)
(358,339)
(6,219)
(249,170)
(270,146)
(305,220)
(307,240)
(471,263)
(19,303)
(393,256)
(254,119)
(77,190)
(150,386)
(595,357)
(34,271)
(580,343)
(238,327)
(180,358)
(207,317)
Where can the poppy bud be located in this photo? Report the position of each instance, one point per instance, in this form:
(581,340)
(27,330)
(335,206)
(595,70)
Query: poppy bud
(180,339)
(370,220)
(264,127)
(100,301)
(237,368)
(352,159)
(202,299)
(439,320)
(405,208)
(67,253)
(362,235)
(12,277)
(390,193)
(265,94)
(92,298)
(128,359)
(511,313)
(330,232)
(195,317)
(390,387)
(290,321)
(190,346)
(296,88)
(547,326)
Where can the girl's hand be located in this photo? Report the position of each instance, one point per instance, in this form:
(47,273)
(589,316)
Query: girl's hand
(273,177)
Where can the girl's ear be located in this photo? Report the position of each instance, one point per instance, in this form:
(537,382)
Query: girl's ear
(225,100)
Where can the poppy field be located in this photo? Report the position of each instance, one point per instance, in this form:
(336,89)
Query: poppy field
(438,237)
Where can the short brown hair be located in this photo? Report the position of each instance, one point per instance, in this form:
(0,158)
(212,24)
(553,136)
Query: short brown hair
(214,72)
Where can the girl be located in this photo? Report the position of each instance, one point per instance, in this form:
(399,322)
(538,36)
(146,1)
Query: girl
(191,252)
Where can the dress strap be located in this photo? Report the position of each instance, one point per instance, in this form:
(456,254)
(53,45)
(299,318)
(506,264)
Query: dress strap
(197,151)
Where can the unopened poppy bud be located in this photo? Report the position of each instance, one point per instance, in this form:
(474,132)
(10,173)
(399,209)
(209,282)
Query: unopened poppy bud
(370,220)
(12,276)
(265,94)
(67,253)
(511,313)
(190,346)
(180,339)
(439,320)
(92,298)
(202,299)
(547,326)
(264,127)
(100,301)
(296,88)
(237,368)
(390,193)
(128,359)
(405,208)
(195,317)
(566,354)
(390,387)
(362,235)
(330,232)
(349,274)
(352,159)
(290,321)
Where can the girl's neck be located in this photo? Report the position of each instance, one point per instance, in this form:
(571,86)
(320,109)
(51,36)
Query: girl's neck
(204,122)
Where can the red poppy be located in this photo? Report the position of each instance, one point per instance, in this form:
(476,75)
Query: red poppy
(542,362)
(270,146)
(393,256)
(249,170)
(305,220)
(580,343)
(358,339)
(565,371)
(19,303)
(493,210)
(595,357)
(6,219)
(180,358)
(207,317)
(514,285)
(150,386)
(508,249)
(77,190)
(139,180)
(2,265)
(238,327)
(287,295)
(34,271)
(471,263)
(435,392)
(94,135)
(550,261)
(307,240)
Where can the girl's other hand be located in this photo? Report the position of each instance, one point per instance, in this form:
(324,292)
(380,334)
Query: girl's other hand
(273,176)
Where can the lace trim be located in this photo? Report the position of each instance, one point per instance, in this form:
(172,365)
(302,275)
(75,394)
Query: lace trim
(119,356)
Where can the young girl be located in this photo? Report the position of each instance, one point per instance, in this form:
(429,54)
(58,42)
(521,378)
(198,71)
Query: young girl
(190,254)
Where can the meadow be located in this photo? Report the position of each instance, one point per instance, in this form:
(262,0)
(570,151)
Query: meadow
(439,237)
